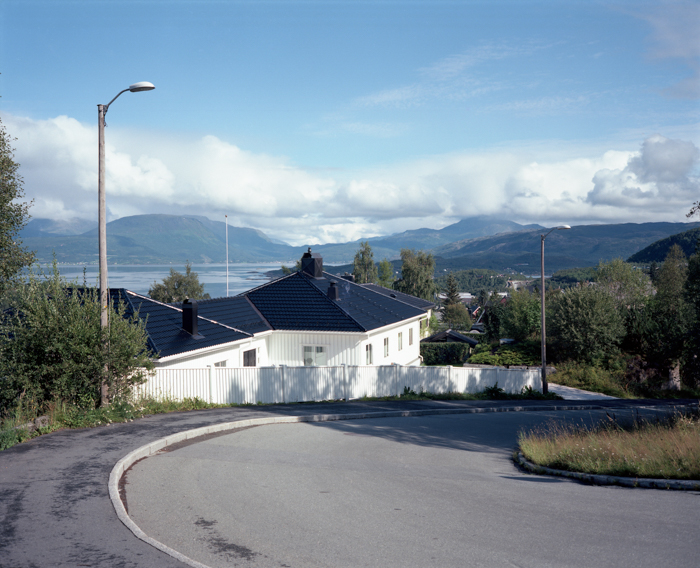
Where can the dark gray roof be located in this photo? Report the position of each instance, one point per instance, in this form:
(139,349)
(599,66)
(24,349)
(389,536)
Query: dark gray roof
(297,302)
(449,336)
(420,303)
(301,302)
(164,326)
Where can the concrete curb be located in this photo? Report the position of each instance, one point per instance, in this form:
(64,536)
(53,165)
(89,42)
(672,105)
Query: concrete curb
(636,482)
(151,448)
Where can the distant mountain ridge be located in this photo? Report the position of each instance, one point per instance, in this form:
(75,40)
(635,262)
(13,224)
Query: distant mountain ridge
(477,242)
(657,251)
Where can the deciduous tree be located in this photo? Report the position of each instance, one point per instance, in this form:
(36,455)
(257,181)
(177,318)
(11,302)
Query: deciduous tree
(671,315)
(585,325)
(386,273)
(364,269)
(417,271)
(14,214)
(178,287)
(522,317)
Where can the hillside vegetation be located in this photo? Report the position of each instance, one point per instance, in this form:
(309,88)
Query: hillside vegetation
(657,251)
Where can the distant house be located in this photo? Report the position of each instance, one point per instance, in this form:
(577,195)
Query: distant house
(309,317)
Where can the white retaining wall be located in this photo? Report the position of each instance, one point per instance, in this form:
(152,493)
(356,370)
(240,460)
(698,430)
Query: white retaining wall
(225,385)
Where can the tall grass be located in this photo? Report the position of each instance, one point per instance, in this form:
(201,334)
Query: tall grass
(667,448)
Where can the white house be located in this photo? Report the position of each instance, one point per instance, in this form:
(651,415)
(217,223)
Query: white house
(309,317)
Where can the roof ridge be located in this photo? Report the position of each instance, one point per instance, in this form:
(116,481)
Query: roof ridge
(198,316)
(265,284)
(395,292)
(327,299)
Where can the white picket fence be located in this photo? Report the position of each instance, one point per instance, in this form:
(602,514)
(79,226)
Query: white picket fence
(226,385)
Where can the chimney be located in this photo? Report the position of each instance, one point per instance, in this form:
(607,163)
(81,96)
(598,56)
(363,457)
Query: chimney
(189,317)
(312,264)
(334,291)
(349,277)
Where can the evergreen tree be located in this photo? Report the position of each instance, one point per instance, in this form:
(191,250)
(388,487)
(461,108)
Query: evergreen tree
(364,269)
(451,291)
(178,287)
(417,270)
(13,215)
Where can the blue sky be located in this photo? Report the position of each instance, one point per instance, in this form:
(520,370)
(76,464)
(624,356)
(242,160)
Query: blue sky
(330,121)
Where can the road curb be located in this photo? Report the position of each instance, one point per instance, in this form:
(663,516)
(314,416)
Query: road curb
(153,447)
(635,482)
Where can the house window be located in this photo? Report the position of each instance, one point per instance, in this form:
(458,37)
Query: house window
(410,336)
(368,354)
(400,341)
(249,358)
(315,356)
(386,347)
(220,364)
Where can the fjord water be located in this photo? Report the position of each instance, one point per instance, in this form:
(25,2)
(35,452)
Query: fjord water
(139,278)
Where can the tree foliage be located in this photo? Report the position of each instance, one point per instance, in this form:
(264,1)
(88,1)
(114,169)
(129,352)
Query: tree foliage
(671,315)
(364,269)
(585,325)
(178,287)
(451,291)
(474,279)
(13,215)
(522,317)
(52,346)
(417,271)
(457,316)
(386,274)
(691,356)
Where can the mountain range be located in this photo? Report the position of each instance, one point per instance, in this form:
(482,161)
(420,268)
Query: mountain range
(476,242)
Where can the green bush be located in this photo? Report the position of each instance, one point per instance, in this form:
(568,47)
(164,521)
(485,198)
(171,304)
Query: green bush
(444,353)
(525,353)
(52,346)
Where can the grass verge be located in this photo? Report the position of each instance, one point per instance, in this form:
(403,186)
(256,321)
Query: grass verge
(612,382)
(666,448)
(23,424)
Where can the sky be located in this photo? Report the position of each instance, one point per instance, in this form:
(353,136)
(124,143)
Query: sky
(330,121)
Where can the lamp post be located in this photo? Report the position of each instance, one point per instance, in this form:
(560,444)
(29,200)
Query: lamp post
(545,387)
(102,210)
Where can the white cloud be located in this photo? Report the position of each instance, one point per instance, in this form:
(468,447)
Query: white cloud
(658,178)
(542,182)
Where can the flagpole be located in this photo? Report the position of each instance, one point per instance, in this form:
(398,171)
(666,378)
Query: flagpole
(226,217)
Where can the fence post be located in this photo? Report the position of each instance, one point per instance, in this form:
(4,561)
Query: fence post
(396,379)
(211,384)
(345,382)
(284,399)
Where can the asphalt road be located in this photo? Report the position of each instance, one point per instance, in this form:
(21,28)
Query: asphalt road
(55,509)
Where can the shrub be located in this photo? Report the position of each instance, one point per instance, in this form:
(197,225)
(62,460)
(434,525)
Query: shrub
(52,346)
(443,353)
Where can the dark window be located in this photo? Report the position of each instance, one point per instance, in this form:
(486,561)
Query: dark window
(249,358)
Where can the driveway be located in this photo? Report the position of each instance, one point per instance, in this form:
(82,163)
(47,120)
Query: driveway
(55,509)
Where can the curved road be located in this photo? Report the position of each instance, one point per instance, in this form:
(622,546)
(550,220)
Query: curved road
(55,508)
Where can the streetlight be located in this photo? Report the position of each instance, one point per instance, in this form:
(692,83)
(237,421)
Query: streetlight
(545,388)
(102,211)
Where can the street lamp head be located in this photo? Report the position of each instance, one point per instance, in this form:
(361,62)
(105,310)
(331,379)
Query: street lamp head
(142,86)
(563,227)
